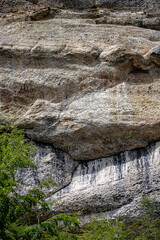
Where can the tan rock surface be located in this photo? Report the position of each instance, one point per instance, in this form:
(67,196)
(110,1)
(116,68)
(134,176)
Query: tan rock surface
(92,90)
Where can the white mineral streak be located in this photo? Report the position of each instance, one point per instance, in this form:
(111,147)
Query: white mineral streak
(110,183)
(125,110)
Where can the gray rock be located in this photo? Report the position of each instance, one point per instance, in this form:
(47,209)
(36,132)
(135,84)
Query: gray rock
(112,186)
(151,7)
(51,164)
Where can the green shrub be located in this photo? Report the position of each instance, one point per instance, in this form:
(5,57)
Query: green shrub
(145,227)
(21,215)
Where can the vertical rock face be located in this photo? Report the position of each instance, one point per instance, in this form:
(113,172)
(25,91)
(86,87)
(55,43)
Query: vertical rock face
(51,164)
(84,77)
(92,90)
(112,185)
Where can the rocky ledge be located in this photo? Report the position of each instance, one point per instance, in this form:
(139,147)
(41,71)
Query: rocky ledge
(86,82)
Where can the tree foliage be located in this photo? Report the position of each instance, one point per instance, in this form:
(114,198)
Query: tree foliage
(21,216)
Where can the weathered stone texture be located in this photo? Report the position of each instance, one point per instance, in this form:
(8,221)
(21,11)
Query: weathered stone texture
(13,5)
(113,185)
(88,83)
(91,90)
(51,164)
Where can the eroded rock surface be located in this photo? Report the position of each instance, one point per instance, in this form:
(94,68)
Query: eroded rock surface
(84,77)
(92,90)
(148,5)
(113,185)
(52,165)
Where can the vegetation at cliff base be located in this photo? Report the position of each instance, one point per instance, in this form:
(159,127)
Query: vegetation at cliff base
(145,227)
(22,216)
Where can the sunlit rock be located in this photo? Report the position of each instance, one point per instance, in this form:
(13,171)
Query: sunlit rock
(83,77)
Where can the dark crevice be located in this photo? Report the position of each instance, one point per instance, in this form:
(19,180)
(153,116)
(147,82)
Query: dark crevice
(138,70)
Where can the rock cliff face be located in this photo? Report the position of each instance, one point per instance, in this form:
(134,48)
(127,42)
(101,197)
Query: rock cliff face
(112,185)
(83,78)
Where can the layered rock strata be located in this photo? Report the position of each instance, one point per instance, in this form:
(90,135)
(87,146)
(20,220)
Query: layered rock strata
(146,5)
(92,90)
(88,84)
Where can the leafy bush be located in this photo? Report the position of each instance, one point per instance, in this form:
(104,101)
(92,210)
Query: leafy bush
(146,227)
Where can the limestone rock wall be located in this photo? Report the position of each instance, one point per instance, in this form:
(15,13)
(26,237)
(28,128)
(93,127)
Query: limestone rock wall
(52,165)
(113,185)
(85,84)
(89,89)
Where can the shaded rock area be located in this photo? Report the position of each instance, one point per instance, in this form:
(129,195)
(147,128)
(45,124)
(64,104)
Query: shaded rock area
(52,165)
(83,79)
(112,186)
